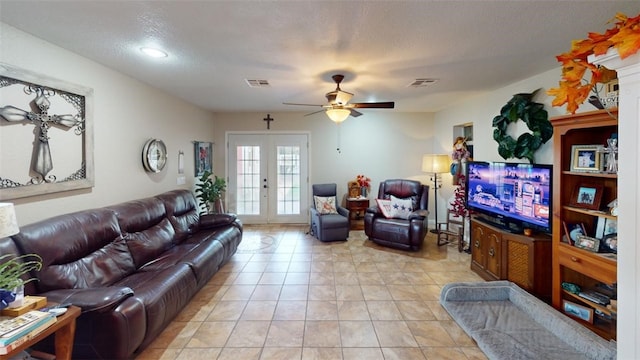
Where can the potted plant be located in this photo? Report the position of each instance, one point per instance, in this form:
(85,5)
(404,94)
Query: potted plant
(210,191)
(364,183)
(12,270)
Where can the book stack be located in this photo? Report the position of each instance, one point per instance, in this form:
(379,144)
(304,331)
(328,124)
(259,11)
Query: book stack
(20,329)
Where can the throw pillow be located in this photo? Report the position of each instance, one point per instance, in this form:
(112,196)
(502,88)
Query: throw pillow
(325,205)
(401,208)
(385,207)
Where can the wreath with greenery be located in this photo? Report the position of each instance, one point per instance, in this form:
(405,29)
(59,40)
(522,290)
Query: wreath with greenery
(534,116)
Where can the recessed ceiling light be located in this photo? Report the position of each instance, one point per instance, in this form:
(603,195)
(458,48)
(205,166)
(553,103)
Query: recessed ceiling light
(154,53)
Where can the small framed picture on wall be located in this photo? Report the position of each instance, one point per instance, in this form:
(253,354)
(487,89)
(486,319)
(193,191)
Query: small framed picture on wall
(203,157)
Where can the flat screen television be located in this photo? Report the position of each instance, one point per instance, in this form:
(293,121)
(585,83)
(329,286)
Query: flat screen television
(512,196)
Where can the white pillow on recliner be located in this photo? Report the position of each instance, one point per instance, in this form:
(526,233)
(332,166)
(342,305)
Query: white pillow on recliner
(401,208)
(325,205)
(385,207)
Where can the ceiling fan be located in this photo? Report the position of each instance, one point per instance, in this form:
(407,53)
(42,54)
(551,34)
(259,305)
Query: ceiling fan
(339,108)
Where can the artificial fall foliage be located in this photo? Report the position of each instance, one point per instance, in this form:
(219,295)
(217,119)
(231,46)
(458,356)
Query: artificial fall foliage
(624,36)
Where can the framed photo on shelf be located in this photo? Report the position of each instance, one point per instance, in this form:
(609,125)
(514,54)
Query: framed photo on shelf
(586,158)
(586,196)
(610,243)
(600,227)
(610,227)
(203,157)
(577,311)
(573,230)
(588,243)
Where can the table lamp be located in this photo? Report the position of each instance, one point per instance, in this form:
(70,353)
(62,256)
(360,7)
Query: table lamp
(8,221)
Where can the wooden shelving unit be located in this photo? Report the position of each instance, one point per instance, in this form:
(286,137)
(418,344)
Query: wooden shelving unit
(569,263)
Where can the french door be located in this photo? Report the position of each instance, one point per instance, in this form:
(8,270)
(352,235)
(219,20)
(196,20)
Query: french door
(268,177)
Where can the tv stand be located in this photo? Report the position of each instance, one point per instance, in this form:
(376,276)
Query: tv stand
(502,224)
(497,254)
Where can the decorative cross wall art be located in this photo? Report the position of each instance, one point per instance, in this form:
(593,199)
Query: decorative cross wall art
(268,119)
(46,134)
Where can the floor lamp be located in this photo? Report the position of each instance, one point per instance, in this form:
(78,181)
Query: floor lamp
(435,164)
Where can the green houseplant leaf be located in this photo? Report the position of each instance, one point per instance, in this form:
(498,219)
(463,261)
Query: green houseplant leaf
(12,269)
(209,190)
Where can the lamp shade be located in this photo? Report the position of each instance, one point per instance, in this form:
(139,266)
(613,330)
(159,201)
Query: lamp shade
(435,163)
(8,221)
(338,115)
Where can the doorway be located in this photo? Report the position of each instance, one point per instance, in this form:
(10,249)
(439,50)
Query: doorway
(268,177)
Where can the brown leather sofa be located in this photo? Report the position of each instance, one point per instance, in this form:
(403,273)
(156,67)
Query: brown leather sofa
(131,267)
(405,234)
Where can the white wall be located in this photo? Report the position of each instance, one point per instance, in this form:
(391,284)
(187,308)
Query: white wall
(480,110)
(126,114)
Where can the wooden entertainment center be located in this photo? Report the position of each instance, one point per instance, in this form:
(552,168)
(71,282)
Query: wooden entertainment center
(571,264)
(497,254)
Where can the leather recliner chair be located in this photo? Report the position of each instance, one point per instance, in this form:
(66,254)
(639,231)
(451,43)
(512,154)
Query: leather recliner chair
(405,234)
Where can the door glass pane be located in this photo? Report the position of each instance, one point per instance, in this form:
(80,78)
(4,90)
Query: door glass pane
(248,180)
(288,178)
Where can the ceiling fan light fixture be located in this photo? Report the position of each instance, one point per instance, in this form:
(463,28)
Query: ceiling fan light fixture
(343,97)
(338,115)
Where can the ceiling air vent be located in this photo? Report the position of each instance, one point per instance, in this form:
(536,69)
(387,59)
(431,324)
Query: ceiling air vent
(423,82)
(257,83)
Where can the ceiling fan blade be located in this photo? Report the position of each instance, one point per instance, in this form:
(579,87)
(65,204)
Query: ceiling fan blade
(286,103)
(355,113)
(315,112)
(375,105)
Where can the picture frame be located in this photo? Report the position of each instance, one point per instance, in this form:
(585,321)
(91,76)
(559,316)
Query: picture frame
(610,227)
(586,158)
(354,189)
(203,157)
(586,196)
(47,155)
(577,311)
(573,230)
(610,243)
(588,243)
(600,227)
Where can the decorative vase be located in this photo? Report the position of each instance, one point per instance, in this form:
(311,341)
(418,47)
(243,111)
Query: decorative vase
(18,301)
(363,191)
(6,297)
(217,207)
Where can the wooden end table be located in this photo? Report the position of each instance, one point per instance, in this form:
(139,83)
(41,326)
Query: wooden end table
(64,330)
(357,208)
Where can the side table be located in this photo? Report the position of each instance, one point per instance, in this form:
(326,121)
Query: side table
(357,208)
(64,330)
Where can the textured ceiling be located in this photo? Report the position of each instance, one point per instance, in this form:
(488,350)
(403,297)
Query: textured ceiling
(380,46)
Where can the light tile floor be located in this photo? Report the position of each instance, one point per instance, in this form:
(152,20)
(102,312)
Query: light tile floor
(285,295)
